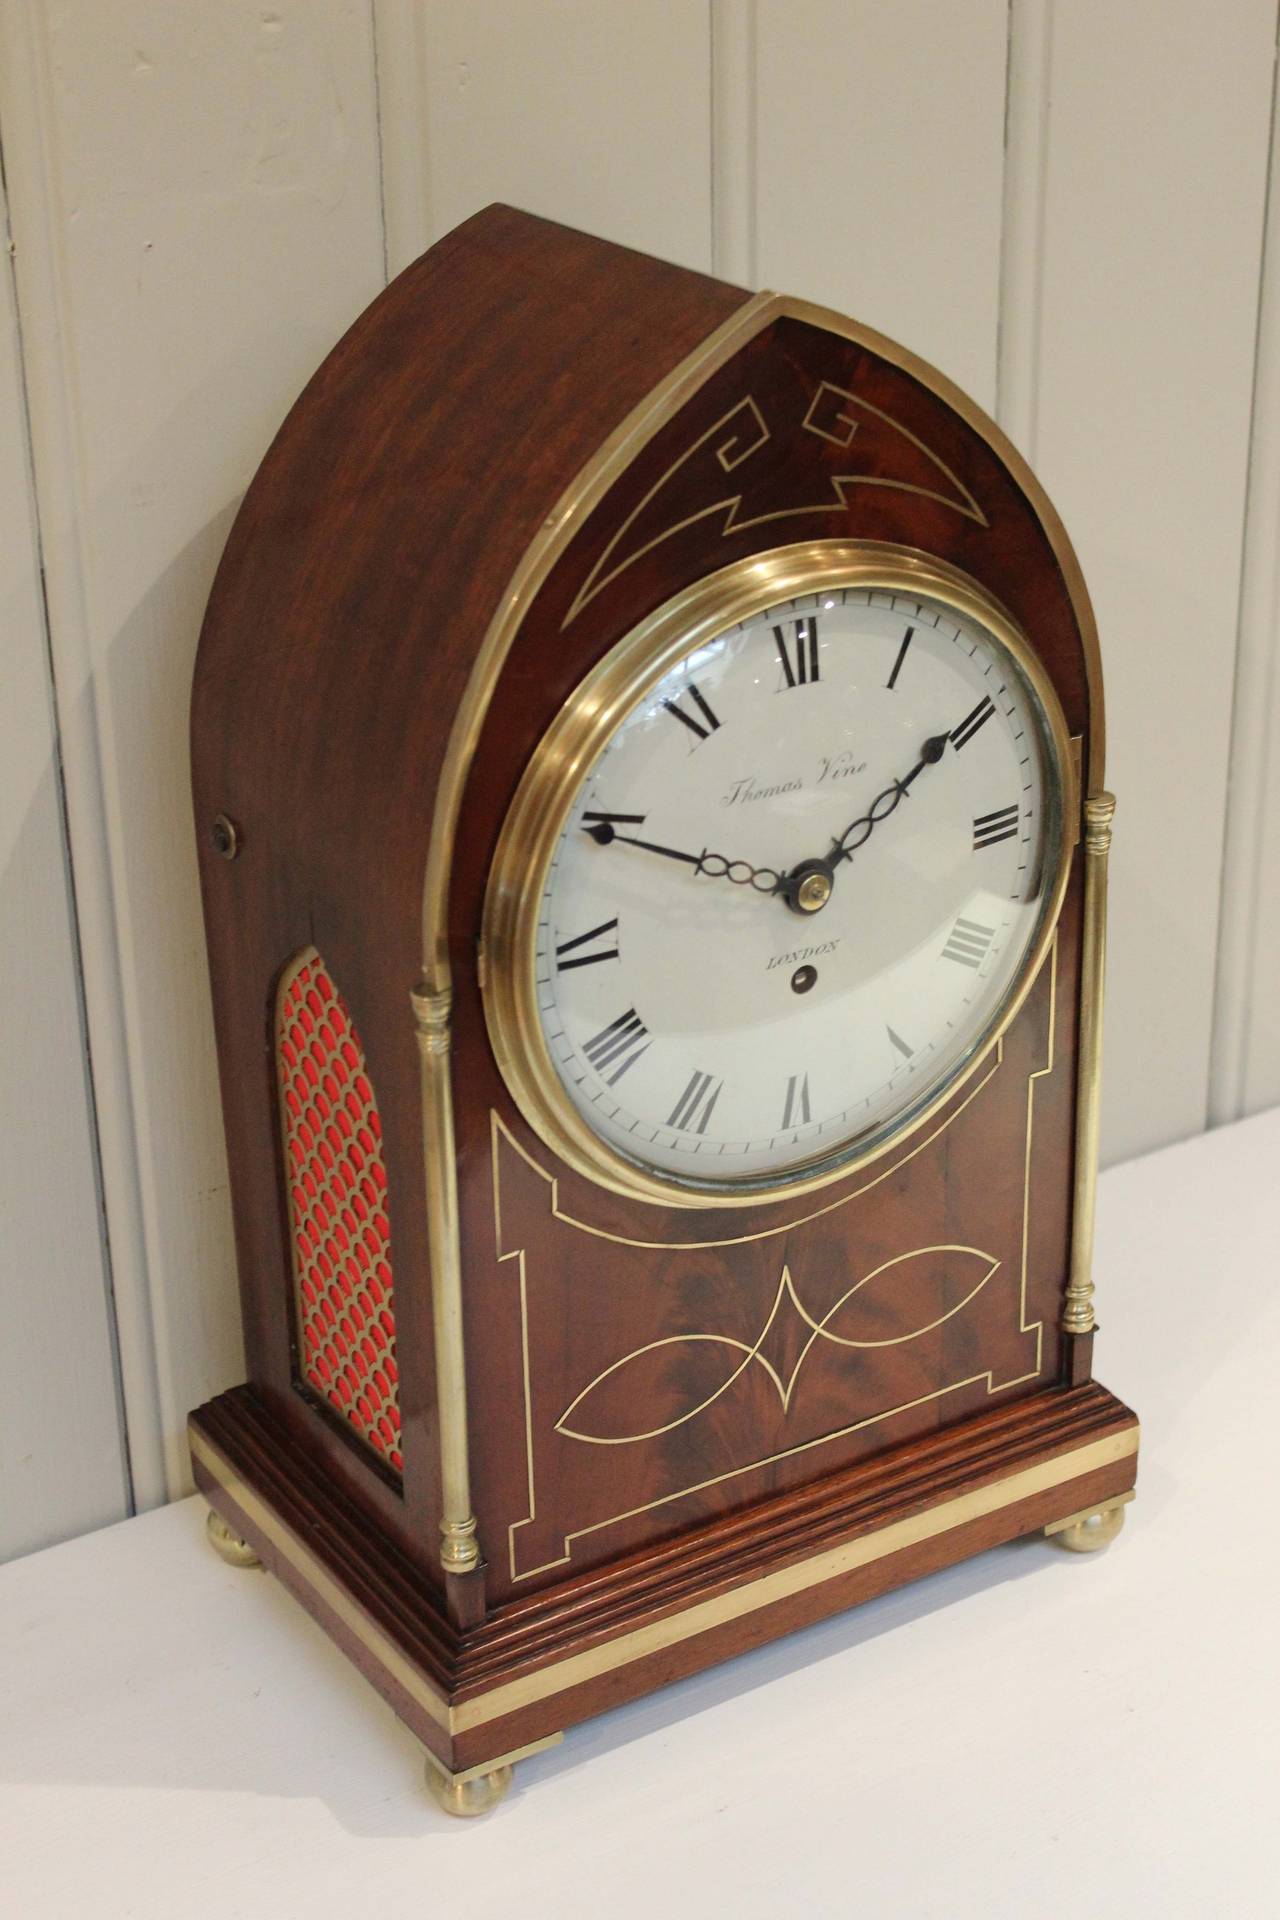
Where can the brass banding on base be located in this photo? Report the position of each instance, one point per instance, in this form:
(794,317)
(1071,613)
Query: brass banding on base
(671,1629)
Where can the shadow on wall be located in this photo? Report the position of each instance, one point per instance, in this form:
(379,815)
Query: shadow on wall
(143,687)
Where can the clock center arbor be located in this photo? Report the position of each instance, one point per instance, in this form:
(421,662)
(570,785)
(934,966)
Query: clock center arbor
(648,756)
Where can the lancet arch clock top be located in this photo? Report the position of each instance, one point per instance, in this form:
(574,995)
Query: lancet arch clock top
(648,759)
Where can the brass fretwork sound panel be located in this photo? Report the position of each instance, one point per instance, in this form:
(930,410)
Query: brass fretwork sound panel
(340,1231)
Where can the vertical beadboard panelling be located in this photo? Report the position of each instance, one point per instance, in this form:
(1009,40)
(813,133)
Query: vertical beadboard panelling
(1022,254)
(879,167)
(62,1467)
(592,112)
(1156,160)
(733,140)
(1246,1041)
(196,214)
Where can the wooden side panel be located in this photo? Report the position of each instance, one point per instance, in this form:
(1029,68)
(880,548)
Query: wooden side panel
(358,582)
(196,217)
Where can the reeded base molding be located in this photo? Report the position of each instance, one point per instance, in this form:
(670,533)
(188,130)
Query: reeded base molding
(480,1699)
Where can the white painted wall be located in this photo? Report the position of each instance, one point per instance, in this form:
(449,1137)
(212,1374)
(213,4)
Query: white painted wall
(1061,202)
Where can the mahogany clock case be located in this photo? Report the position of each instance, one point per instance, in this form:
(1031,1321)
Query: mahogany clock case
(530,441)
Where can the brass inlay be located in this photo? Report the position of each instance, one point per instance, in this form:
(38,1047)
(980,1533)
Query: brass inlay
(322,1584)
(982,1376)
(703,1617)
(1099,810)
(965,504)
(736,448)
(820,1330)
(459,1548)
(564,521)
(587,489)
(579,733)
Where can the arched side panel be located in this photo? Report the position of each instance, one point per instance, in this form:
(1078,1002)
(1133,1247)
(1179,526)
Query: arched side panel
(339,1226)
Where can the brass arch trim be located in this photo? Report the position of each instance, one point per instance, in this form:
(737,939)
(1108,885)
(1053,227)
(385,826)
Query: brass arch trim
(566,517)
(589,486)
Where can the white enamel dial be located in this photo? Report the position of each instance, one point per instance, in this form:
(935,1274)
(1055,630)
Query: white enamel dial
(703,1025)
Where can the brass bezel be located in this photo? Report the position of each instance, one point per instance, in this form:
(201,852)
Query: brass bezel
(571,744)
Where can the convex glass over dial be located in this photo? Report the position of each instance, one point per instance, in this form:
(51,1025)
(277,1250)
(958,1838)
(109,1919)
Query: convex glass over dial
(798,884)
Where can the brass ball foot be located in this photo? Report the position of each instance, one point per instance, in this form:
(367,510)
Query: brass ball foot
(480,1793)
(1089,1532)
(228,1544)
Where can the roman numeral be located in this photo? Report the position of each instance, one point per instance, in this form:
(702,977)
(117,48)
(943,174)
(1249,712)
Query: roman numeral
(618,819)
(688,720)
(968,943)
(963,734)
(990,828)
(902,654)
(799,656)
(795,1111)
(621,1042)
(581,940)
(696,1104)
(899,1044)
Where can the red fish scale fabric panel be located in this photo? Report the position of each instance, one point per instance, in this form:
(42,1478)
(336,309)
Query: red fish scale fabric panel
(338,1209)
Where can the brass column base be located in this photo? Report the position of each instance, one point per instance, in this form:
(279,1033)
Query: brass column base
(465,1795)
(228,1545)
(1091,1530)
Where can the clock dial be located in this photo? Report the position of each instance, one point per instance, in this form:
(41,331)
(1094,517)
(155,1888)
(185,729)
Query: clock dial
(797,886)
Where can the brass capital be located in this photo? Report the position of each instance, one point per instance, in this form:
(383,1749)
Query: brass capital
(1077,1315)
(432,1013)
(1099,811)
(460,1551)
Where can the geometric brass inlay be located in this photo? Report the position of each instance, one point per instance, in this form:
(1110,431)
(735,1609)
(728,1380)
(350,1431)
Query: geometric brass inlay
(833,416)
(984,1375)
(981,1267)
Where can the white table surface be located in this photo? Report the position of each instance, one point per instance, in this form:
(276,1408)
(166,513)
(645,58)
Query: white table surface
(1033,1733)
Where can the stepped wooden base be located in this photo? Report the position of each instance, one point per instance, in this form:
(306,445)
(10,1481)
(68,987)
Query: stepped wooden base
(479,1700)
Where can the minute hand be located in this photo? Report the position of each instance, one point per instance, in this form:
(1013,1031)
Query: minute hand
(884,803)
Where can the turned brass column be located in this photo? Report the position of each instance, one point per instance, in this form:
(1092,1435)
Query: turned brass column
(1099,810)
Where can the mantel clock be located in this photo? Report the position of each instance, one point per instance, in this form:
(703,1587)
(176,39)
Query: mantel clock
(648,749)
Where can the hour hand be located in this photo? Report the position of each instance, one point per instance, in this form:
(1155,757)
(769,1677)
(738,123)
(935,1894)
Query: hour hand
(604,834)
(741,872)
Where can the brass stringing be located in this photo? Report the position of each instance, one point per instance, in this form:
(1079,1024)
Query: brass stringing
(499,1133)
(820,1330)
(736,447)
